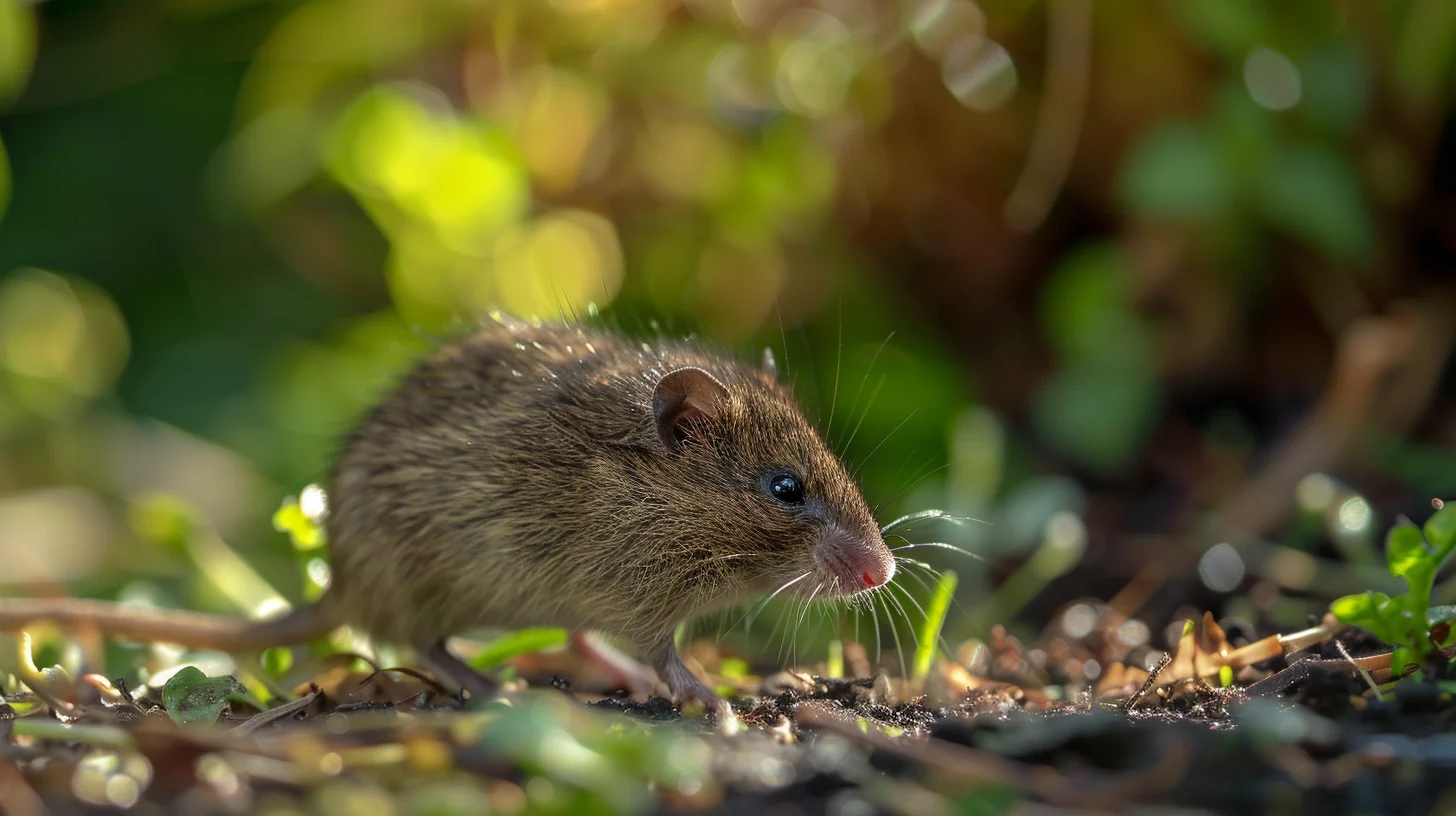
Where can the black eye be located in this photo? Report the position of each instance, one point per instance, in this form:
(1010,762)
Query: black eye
(786,487)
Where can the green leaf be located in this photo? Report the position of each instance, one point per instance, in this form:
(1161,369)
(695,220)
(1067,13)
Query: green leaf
(1377,613)
(192,698)
(1312,192)
(1404,657)
(1405,550)
(1358,610)
(1176,172)
(519,642)
(1441,531)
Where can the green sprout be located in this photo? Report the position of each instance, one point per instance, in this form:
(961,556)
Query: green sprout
(1407,621)
(935,612)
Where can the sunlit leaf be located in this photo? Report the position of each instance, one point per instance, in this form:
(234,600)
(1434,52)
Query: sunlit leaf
(1405,549)
(1440,530)
(1366,610)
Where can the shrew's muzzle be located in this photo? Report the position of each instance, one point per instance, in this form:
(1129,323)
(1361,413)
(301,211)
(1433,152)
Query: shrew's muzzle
(860,561)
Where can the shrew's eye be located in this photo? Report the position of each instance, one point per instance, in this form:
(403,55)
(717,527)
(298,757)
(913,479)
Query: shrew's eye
(786,487)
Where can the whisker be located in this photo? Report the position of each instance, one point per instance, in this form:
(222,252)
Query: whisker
(892,432)
(750,616)
(799,624)
(941,515)
(866,412)
(895,633)
(838,360)
(915,633)
(940,633)
(913,575)
(934,573)
(942,545)
(917,480)
(860,391)
(875,615)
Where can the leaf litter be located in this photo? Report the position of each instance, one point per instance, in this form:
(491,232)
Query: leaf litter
(1311,719)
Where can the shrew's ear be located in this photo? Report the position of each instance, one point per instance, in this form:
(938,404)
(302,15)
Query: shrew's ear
(683,397)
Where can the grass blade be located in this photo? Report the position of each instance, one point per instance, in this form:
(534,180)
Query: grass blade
(930,628)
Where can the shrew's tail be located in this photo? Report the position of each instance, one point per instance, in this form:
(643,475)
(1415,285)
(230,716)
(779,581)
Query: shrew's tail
(194,630)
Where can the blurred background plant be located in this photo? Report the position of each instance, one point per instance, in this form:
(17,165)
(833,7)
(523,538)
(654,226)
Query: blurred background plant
(1158,290)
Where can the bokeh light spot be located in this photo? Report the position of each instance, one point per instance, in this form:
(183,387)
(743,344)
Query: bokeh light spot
(1272,79)
(1354,516)
(816,68)
(1221,568)
(980,73)
(557,265)
(62,340)
(937,25)
(1315,492)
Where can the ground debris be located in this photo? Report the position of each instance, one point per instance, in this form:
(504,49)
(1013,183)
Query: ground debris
(1307,731)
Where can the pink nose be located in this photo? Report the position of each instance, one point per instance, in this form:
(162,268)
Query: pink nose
(878,573)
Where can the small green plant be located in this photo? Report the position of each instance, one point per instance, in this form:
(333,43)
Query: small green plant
(192,698)
(1407,621)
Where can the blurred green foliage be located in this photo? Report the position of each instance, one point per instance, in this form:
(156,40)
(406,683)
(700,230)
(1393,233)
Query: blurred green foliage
(227,226)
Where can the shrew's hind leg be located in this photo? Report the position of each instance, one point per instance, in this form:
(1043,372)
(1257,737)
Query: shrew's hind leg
(451,668)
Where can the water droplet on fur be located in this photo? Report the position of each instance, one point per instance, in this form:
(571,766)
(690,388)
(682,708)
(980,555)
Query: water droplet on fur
(515,373)
(538,346)
(520,347)
(590,349)
(646,348)
(570,350)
